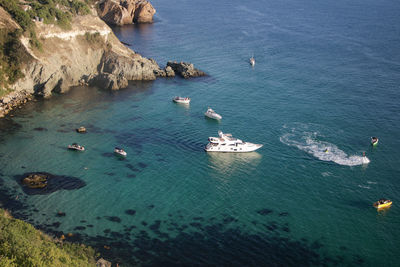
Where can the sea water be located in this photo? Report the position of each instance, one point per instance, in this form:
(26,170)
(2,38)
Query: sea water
(327,76)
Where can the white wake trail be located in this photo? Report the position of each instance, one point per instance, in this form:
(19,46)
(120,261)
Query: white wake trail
(308,142)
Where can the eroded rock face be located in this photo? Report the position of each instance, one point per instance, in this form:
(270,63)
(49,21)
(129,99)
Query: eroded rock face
(126,11)
(144,12)
(116,70)
(88,53)
(184,69)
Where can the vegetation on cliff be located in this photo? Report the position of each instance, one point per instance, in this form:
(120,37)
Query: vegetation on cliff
(10,58)
(58,12)
(22,245)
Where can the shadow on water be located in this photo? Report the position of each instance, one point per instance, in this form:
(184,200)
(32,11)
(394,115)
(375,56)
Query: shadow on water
(200,244)
(7,127)
(158,136)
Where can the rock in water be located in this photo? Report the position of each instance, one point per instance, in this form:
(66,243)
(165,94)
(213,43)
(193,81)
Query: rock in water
(126,11)
(42,183)
(144,12)
(184,69)
(38,180)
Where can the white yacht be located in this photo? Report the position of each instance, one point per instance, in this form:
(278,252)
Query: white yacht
(212,114)
(252,61)
(226,143)
(181,100)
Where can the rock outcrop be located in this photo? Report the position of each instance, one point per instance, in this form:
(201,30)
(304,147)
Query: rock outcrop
(121,12)
(185,70)
(13,100)
(38,180)
(144,12)
(89,53)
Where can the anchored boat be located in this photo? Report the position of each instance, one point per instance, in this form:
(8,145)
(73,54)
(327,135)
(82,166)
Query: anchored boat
(77,147)
(120,152)
(181,100)
(210,113)
(226,143)
(252,61)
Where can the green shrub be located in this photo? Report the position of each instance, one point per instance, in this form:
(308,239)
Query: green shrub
(18,14)
(22,245)
(94,38)
(11,52)
(79,8)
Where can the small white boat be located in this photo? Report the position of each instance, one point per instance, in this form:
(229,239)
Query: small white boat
(212,114)
(252,61)
(77,147)
(181,100)
(120,152)
(226,143)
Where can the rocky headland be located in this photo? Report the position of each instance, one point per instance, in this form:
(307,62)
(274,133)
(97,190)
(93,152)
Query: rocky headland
(85,53)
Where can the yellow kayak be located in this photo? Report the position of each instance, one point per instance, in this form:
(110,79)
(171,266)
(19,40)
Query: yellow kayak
(383,203)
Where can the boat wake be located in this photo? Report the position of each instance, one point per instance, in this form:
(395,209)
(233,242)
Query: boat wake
(306,140)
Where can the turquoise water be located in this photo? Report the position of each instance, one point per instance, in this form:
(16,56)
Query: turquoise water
(326,76)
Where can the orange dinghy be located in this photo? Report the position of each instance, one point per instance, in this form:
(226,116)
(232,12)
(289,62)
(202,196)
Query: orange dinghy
(383,203)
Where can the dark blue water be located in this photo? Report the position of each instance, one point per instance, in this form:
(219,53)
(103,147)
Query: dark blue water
(327,75)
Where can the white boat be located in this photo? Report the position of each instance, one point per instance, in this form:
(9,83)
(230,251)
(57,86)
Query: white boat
(226,143)
(181,100)
(252,61)
(120,152)
(75,146)
(212,114)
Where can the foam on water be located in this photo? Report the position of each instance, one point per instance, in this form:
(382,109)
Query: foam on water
(301,137)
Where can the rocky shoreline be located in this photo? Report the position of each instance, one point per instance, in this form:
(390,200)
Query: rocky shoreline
(87,54)
(13,100)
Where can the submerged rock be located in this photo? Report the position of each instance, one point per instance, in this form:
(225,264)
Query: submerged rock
(184,69)
(41,183)
(38,180)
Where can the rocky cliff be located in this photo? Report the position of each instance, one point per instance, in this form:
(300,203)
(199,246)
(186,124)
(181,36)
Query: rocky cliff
(84,53)
(120,12)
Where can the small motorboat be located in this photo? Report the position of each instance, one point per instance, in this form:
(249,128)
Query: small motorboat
(210,113)
(81,130)
(252,61)
(181,100)
(374,141)
(383,203)
(75,146)
(120,152)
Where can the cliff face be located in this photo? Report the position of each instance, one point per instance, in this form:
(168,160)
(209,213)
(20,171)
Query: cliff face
(120,12)
(88,53)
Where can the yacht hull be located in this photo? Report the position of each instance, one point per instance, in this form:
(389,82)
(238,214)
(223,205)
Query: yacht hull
(235,149)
